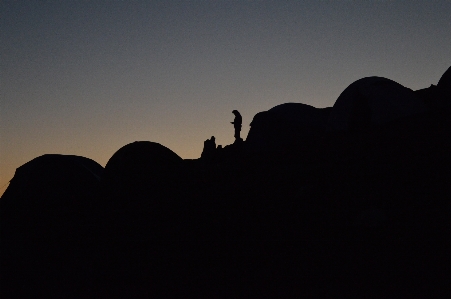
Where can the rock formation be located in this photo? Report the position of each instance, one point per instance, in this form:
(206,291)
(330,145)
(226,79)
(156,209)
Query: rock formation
(354,196)
(50,194)
(373,101)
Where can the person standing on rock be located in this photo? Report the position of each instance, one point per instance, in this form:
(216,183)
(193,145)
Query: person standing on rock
(237,124)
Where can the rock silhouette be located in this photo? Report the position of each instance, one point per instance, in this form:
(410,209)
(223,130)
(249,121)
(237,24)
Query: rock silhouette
(373,101)
(445,81)
(339,196)
(437,96)
(49,195)
(138,161)
(209,150)
(285,124)
(139,186)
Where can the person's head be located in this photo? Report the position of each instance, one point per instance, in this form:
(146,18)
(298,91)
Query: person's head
(235,112)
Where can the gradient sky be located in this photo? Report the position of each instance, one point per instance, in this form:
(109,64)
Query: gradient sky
(88,77)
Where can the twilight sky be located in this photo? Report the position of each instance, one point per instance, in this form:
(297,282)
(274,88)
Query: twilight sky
(88,77)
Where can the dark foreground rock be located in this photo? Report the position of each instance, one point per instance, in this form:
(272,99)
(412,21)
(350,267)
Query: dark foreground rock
(347,215)
(361,212)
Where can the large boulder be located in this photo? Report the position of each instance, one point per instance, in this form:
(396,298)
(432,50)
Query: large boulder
(50,193)
(141,163)
(141,188)
(373,101)
(284,124)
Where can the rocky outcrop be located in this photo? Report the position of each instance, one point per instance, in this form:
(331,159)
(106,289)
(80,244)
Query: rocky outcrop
(373,101)
(284,124)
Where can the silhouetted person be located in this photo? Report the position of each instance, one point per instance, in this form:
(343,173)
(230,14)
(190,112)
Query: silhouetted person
(237,124)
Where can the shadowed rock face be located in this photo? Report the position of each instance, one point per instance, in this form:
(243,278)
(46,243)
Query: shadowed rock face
(437,96)
(208,152)
(338,211)
(140,184)
(445,80)
(373,101)
(52,191)
(284,124)
(444,88)
(140,161)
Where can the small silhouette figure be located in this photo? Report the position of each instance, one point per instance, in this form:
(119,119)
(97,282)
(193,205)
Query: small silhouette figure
(237,124)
